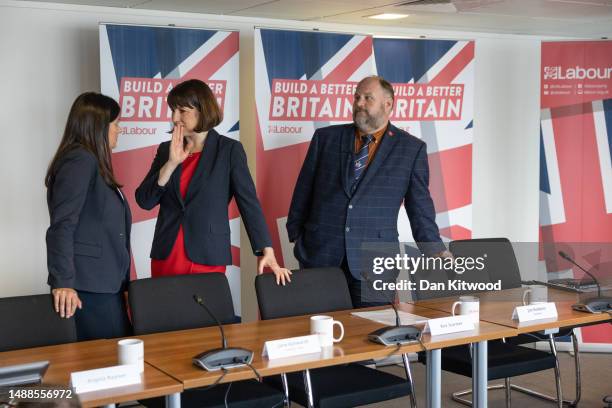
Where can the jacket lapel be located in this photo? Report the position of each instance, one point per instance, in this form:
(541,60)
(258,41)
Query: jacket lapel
(386,147)
(205,165)
(347,147)
(175,181)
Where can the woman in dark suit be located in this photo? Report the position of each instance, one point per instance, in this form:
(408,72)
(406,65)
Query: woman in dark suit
(88,241)
(193,178)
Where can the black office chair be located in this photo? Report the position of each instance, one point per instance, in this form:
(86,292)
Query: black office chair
(505,360)
(500,261)
(504,266)
(165,304)
(31,321)
(321,290)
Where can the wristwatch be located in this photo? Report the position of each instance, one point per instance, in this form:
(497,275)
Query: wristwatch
(258,252)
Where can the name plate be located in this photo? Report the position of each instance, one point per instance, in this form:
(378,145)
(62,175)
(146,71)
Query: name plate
(104,378)
(293,346)
(447,325)
(538,311)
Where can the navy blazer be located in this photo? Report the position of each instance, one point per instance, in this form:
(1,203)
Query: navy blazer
(328,222)
(221,173)
(88,241)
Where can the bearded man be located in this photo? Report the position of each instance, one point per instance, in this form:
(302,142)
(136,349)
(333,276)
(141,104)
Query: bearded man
(352,185)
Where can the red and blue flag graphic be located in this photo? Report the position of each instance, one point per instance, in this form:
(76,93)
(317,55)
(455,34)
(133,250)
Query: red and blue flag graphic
(306,80)
(139,66)
(575,163)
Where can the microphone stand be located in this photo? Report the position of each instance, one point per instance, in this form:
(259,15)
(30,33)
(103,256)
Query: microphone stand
(200,302)
(394,335)
(597,304)
(223,357)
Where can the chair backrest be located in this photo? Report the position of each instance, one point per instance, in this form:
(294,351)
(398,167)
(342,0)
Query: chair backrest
(427,283)
(31,321)
(500,263)
(167,303)
(425,277)
(311,291)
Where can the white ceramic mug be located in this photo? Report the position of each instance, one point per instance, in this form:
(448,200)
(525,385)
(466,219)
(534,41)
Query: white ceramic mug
(535,294)
(131,351)
(468,306)
(324,327)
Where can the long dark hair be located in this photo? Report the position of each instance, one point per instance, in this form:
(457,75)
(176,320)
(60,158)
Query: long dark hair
(87,127)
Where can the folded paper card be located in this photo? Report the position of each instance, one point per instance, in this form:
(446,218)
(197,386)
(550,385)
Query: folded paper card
(447,325)
(293,346)
(104,378)
(536,311)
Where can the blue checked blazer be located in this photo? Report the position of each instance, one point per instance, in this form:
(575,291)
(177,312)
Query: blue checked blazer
(328,223)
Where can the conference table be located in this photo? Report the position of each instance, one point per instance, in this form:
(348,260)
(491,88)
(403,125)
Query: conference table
(171,352)
(88,355)
(497,307)
(169,370)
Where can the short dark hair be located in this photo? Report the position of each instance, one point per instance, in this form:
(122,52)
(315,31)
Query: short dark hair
(87,127)
(384,84)
(195,94)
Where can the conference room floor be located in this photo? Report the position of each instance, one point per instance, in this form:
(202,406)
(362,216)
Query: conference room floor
(595,384)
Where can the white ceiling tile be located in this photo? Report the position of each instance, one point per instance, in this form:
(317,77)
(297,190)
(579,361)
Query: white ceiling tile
(542,17)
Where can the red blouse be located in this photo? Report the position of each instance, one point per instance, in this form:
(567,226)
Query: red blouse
(177,262)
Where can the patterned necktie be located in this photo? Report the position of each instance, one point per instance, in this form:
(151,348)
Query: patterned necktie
(361,159)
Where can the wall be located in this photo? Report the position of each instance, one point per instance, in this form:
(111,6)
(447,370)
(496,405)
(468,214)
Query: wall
(50,54)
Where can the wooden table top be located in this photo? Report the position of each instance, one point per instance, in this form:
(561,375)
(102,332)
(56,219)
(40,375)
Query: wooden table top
(67,358)
(168,355)
(172,352)
(497,307)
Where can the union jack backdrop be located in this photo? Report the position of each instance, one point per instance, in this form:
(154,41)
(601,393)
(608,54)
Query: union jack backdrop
(306,80)
(139,65)
(575,169)
(445,70)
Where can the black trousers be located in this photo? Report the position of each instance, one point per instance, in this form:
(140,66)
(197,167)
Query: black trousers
(362,294)
(103,316)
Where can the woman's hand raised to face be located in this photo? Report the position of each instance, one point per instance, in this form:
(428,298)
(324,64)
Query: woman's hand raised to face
(179,150)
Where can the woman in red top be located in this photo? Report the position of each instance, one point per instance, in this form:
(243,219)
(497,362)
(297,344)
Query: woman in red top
(193,178)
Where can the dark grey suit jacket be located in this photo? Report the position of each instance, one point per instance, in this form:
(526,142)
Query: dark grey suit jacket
(88,241)
(222,173)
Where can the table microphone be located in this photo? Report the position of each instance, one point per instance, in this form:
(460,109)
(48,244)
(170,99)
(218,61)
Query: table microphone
(598,304)
(394,335)
(223,357)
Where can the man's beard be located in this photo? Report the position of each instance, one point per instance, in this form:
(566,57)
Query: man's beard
(367,122)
